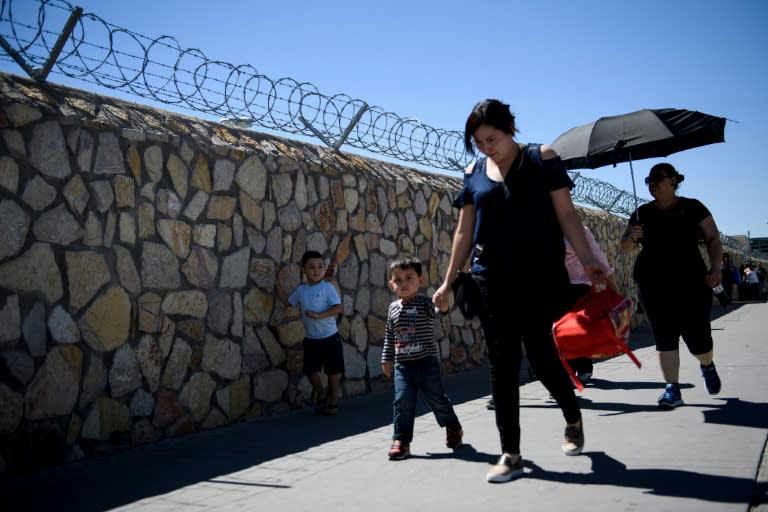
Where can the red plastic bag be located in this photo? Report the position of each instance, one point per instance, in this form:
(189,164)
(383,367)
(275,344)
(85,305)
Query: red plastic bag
(596,327)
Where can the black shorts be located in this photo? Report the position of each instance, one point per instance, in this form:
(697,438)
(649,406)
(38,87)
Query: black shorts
(324,354)
(679,311)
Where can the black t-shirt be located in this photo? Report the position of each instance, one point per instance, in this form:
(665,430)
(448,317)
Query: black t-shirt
(516,225)
(670,244)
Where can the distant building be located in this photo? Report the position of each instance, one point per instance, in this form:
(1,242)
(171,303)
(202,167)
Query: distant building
(759,245)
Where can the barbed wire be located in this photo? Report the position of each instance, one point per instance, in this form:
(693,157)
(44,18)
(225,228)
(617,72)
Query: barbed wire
(98,52)
(160,69)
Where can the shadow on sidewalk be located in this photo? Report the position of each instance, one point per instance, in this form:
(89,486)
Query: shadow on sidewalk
(732,411)
(120,479)
(661,482)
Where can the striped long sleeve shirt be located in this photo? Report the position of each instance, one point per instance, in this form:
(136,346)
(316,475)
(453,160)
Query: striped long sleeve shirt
(410,331)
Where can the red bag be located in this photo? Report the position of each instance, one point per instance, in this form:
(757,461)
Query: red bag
(596,327)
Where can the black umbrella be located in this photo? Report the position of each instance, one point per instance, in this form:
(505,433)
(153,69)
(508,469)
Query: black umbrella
(648,133)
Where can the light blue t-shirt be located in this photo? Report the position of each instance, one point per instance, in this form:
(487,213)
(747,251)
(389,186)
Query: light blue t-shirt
(317,297)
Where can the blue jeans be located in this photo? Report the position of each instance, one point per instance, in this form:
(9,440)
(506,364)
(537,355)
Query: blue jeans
(410,377)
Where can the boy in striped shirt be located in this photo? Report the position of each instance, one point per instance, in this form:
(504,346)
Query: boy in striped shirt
(411,354)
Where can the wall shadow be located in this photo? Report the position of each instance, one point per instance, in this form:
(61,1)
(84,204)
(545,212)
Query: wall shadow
(119,479)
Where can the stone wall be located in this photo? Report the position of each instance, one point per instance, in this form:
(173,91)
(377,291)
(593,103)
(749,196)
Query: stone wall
(139,255)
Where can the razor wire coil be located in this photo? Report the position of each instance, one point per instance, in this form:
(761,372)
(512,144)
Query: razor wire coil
(159,69)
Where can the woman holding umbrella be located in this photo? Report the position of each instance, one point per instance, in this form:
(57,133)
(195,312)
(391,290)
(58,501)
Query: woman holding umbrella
(514,208)
(677,302)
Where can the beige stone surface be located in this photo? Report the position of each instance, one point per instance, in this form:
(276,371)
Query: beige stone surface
(106,323)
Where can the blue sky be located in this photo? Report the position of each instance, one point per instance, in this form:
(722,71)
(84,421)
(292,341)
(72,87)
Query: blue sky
(559,63)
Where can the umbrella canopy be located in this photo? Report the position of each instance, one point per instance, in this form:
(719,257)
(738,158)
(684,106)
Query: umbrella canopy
(647,133)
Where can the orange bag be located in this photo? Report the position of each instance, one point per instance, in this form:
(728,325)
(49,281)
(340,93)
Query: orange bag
(596,327)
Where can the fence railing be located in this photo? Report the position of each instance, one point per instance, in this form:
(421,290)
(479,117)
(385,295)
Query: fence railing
(52,36)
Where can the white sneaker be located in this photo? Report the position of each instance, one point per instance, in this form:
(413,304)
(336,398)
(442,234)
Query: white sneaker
(573,440)
(505,470)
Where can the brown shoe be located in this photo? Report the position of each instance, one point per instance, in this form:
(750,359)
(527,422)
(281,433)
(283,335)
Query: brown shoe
(399,450)
(453,436)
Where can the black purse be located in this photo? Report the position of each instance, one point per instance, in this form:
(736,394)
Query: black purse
(466,294)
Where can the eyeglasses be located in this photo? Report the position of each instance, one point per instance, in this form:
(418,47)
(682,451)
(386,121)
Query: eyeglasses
(655,178)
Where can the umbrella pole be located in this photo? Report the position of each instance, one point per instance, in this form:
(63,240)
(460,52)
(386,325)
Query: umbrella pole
(634,190)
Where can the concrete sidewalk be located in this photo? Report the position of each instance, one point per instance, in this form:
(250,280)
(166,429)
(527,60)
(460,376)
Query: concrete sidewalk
(705,456)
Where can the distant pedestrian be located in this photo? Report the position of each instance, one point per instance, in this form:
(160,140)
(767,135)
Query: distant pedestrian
(411,352)
(752,279)
(675,283)
(320,305)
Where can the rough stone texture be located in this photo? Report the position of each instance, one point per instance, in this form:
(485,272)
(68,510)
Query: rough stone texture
(48,150)
(88,272)
(159,267)
(150,357)
(149,312)
(35,272)
(196,395)
(235,398)
(9,172)
(126,270)
(176,366)
(189,303)
(167,409)
(201,268)
(76,194)
(102,194)
(179,175)
(92,236)
(10,320)
(125,375)
(54,389)
(176,235)
(196,206)
(109,158)
(38,194)
(142,403)
(94,381)
(19,365)
(106,417)
(221,357)
(57,226)
(12,405)
(270,386)
(33,330)
(234,270)
(105,325)
(62,326)
(354,363)
(219,312)
(257,306)
(168,203)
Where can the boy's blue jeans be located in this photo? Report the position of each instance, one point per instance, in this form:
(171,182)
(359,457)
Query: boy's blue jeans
(410,378)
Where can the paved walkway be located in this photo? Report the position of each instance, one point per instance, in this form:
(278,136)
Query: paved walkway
(705,456)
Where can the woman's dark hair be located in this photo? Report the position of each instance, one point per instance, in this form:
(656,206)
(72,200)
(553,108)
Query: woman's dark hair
(491,112)
(669,170)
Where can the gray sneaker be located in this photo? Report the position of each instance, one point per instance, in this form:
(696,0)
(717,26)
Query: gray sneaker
(573,440)
(505,470)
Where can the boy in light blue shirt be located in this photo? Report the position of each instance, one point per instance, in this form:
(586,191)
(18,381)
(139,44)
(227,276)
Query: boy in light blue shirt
(320,305)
